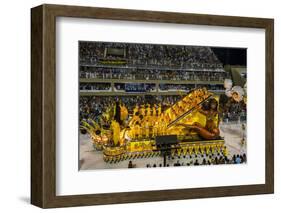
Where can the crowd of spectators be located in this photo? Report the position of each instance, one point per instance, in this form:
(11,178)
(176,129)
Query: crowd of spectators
(213,87)
(145,87)
(232,110)
(194,57)
(211,159)
(95,86)
(201,159)
(138,87)
(176,87)
(150,74)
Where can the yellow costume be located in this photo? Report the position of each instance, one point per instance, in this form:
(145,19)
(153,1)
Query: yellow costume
(115,127)
(124,112)
(148,111)
(136,109)
(142,110)
(154,113)
(137,131)
(159,110)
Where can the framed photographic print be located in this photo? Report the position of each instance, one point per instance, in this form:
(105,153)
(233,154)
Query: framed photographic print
(136,106)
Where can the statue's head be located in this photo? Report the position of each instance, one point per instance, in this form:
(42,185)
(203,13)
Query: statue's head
(206,105)
(213,104)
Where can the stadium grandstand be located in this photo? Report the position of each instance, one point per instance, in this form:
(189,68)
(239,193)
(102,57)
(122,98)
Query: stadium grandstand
(143,73)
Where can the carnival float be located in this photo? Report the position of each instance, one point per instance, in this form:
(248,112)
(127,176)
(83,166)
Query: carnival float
(193,120)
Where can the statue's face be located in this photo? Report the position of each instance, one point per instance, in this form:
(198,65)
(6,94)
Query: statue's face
(213,105)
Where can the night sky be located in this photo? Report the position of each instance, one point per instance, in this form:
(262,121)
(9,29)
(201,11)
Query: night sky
(231,56)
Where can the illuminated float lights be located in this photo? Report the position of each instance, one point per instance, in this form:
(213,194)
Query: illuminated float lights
(116,155)
(130,156)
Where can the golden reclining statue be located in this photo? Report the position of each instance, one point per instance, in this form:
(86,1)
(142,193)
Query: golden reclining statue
(197,113)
